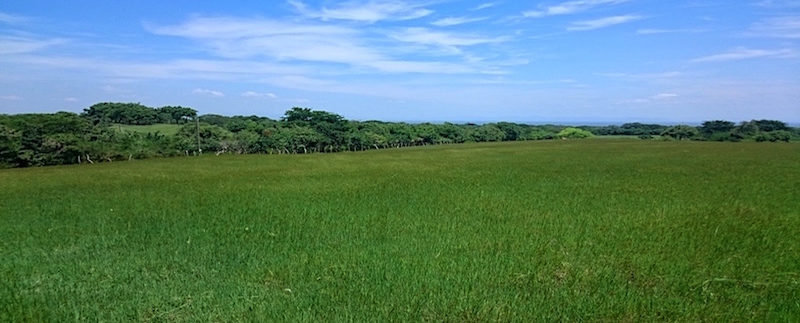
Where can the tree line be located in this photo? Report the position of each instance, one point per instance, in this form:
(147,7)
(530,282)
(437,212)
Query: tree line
(91,136)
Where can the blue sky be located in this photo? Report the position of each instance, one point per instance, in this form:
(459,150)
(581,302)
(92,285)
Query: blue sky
(438,60)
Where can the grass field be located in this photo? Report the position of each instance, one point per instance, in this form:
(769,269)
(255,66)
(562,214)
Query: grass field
(593,230)
(164,129)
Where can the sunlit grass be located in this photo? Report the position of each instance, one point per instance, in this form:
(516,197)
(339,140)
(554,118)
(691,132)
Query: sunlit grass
(557,230)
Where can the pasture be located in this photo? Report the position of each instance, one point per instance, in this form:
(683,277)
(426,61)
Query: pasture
(596,230)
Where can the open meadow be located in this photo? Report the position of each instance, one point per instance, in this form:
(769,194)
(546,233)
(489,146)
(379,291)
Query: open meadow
(564,230)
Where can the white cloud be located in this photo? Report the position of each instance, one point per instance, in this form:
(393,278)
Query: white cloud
(602,22)
(778,3)
(569,7)
(365,11)
(108,88)
(667,31)
(10,97)
(655,98)
(208,92)
(485,5)
(664,96)
(19,45)
(646,76)
(453,21)
(422,67)
(71,99)
(253,94)
(12,19)
(172,69)
(746,53)
(780,27)
(239,38)
(443,39)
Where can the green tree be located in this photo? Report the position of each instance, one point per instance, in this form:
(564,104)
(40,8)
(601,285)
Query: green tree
(125,113)
(745,129)
(212,138)
(452,133)
(10,145)
(176,114)
(680,132)
(770,125)
(487,132)
(717,130)
(512,131)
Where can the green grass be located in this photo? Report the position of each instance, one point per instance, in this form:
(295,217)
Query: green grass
(163,128)
(594,230)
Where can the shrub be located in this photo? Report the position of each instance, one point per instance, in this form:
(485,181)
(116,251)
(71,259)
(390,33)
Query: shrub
(720,136)
(574,133)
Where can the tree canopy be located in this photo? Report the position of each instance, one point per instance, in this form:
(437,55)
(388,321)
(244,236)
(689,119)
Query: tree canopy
(65,138)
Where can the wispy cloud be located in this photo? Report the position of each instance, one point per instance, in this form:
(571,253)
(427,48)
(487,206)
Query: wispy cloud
(568,7)
(19,45)
(664,96)
(71,99)
(365,11)
(660,97)
(668,31)
(437,38)
(602,22)
(453,21)
(291,42)
(12,19)
(239,38)
(253,94)
(10,97)
(205,69)
(485,5)
(778,3)
(746,53)
(208,92)
(646,76)
(779,27)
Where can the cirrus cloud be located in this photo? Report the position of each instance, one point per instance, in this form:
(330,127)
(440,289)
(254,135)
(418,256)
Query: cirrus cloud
(365,11)
(747,53)
(254,94)
(208,92)
(602,22)
(568,7)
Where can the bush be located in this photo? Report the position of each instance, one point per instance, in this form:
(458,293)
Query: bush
(720,136)
(774,136)
(781,135)
(574,133)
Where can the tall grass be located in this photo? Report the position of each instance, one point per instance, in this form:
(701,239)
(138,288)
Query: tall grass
(559,230)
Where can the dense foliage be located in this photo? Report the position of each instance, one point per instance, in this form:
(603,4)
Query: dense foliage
(135,113)
(66,138)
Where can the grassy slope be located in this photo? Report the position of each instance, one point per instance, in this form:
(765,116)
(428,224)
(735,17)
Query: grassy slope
(165,129)
(595,229)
